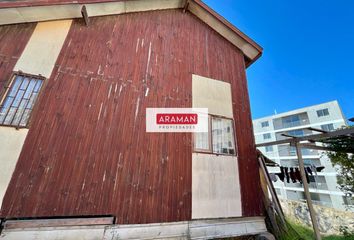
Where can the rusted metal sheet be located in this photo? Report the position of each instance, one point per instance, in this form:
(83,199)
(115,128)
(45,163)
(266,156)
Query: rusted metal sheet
(13,40)
(87,151)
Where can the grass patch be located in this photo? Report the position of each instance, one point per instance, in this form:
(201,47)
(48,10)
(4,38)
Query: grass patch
(299,232)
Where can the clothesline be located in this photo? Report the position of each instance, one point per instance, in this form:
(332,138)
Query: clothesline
(293,173)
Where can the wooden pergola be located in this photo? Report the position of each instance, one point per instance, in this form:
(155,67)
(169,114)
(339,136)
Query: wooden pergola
(344,136)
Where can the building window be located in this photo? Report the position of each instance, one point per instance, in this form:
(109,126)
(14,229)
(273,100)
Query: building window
(19,99)
(269,148)
(291,121)
(219,139)
(328,127)
(266,136)
(309,162)
(292,151)
(265,124)
(296,133)
(322,112)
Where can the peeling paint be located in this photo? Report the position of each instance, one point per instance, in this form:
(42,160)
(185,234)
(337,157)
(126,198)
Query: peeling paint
(120,89)
(137,46)
(137,108)
(148,62)
(109,91)
(99,71)
(99,114)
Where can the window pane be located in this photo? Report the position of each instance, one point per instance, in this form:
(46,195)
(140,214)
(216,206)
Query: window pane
(266,136)
(265,124)
(24,84)
(6,104)
(10,116)
(32,100)
(25,118)
(327,127)
(269,148)
(322,112)
(201,141)
(29,89)
(222,135)
(19,112)
(15,86)
(18,103)
(38,86)
(18,98)
(296,133)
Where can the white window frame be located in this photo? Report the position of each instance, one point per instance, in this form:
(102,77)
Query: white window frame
(210,149)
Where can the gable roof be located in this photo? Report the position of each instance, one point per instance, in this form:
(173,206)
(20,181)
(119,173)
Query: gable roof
(20,11)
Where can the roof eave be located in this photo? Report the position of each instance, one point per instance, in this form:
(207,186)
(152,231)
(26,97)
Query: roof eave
(18,12)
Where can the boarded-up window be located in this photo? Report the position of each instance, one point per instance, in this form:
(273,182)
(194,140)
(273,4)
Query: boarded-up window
(18,102)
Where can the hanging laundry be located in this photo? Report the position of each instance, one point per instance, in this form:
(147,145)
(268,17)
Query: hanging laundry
(298,175)
(319,169)
(292,175)
(281,175)
(287,175)
(307,176)
(309,170)
(273,177)
(313,168)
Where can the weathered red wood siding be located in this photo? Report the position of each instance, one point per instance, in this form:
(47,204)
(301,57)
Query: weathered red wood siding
(87,151)
(13,39)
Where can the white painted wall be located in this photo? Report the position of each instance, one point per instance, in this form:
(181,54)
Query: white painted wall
(215,186)
(43,48)
(11,142)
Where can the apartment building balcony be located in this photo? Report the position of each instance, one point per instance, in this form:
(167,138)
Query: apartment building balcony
(291,121)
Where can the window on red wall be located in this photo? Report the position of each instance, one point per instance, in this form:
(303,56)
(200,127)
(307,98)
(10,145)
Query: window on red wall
(220,138)
(19,99)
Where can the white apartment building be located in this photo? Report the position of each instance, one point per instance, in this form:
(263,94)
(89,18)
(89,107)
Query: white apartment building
(323,187)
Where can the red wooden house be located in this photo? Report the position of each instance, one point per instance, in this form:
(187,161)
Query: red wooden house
(76,161)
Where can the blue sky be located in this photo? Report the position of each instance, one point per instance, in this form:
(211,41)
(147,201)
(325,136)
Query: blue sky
(308,53)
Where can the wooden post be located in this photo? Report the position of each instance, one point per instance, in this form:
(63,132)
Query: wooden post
(272,191)
(307,193)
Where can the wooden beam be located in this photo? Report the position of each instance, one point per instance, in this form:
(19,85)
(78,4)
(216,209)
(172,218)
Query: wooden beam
(272,190)
(314,137)
(287,135)
(323,148)
(186,5)
(317,130)
(307,193)
(85,15)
